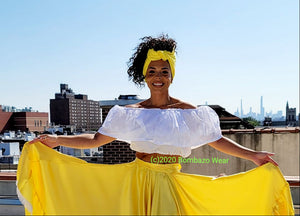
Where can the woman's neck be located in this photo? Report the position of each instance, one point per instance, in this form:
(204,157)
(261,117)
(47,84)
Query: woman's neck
(159,99)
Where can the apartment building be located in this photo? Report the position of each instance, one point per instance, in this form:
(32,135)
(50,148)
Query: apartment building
(69,108)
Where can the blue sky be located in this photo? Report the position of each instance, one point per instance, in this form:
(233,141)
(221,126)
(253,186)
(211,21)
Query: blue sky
(228,50)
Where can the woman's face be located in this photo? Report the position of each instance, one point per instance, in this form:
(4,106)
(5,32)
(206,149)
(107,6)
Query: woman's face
(158,76)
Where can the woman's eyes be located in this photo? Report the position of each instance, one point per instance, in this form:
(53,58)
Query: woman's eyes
(152,72)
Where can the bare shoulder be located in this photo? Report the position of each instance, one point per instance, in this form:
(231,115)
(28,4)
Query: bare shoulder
(188,106)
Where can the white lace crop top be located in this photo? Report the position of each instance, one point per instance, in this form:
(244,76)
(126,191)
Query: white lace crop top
(163,131)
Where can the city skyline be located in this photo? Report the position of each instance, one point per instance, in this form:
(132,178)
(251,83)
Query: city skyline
(240,112)
(227,50)
(247,110)
(274,114)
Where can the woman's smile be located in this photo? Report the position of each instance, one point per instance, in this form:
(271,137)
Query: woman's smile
(159,75)
(158,84)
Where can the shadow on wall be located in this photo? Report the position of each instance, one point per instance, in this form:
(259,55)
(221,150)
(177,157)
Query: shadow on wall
(284,145)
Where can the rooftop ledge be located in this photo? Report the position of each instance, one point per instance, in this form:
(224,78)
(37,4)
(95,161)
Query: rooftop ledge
(11,176)
(263,130)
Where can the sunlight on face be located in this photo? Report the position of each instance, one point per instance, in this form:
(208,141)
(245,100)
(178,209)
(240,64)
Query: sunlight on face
(158,75)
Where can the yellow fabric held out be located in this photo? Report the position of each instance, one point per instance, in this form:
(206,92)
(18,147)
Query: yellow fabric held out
(50,183)
(160,55)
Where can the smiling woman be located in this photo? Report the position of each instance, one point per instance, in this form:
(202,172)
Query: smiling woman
(153,63)
(140,60)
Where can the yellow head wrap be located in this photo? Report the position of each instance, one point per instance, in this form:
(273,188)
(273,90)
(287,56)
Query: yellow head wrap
(160,55)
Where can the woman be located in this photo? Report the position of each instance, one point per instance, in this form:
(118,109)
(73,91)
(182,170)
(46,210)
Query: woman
(158,76)
(162,129)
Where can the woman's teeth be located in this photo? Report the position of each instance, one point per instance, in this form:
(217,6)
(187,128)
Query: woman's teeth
(157,84)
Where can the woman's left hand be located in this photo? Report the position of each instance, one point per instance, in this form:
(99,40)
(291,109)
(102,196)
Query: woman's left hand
(263,157)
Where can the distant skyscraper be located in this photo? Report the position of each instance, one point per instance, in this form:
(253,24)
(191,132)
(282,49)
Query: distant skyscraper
(262,109)
(242,113)
(290,115)
(237,113)
(251,113)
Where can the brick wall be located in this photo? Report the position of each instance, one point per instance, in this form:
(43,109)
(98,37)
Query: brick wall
(117,152)
(32,121)
(6,121)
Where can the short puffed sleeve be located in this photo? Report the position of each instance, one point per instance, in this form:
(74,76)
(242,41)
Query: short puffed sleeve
(208,126)
(119,123)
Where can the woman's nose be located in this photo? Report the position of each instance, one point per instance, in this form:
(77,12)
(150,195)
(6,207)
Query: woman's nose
(158,74)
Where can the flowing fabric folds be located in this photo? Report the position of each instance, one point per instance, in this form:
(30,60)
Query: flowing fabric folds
(50,183)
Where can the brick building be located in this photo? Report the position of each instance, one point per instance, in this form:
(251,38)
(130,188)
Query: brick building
(23,121)
(69,108)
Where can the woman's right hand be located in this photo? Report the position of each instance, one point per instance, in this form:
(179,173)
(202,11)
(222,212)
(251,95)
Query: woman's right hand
(46,139)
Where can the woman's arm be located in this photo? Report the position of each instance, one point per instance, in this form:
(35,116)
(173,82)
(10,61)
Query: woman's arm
(83,141)
(232,148)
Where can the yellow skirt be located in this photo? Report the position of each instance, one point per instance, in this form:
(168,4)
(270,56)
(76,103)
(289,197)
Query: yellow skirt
(51,183)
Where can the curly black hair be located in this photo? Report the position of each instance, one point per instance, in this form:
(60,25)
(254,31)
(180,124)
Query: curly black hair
(136,62)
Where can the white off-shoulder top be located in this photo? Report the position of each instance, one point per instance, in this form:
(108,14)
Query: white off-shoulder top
(163,131)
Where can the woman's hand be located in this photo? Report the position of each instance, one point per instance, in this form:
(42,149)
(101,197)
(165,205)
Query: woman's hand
(46,139)
(263,157)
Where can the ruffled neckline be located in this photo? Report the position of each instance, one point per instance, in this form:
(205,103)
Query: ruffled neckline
(143,108)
